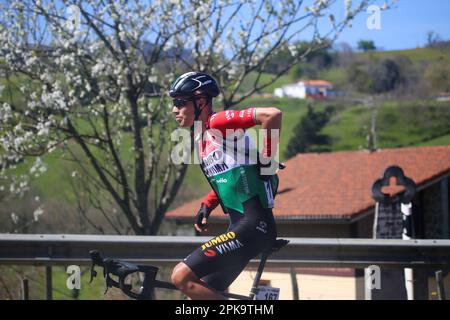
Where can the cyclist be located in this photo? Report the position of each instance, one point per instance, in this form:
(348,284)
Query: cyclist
(240,187)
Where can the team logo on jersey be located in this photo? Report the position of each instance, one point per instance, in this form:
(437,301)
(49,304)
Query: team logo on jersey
(222,180)
(219,239)
(229,115)
(229,246)
(210,253)
(218,155)
(262,227)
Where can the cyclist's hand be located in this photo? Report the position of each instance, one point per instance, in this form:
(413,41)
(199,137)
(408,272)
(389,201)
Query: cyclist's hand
(268,168)
(201,220)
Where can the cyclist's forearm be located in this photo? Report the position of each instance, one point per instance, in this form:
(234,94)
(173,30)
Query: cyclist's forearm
(211,200)
(269,119)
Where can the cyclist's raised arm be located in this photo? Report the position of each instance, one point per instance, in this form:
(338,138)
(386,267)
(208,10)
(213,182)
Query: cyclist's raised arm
(270,119)
(233,119)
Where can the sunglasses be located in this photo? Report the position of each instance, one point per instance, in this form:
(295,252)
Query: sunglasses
(179,102)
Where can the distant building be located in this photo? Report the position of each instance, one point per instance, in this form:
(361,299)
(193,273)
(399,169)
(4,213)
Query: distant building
(328,195)
(315,89)
(443,97)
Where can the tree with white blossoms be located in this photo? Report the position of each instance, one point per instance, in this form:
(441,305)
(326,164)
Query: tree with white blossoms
(91,78)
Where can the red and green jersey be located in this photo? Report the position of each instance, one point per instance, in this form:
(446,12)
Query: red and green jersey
(233,176)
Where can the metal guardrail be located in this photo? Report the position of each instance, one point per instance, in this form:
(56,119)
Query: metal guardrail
(49,249)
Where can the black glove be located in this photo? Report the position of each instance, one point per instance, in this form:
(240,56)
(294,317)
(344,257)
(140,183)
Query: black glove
(204,212)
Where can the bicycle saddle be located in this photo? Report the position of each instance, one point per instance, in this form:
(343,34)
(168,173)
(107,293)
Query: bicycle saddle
(278,244)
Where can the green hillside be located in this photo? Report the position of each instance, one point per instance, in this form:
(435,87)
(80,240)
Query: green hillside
(417,55)
(398,124)
(338,75)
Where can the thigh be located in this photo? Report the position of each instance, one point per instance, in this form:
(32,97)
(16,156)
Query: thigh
(220,260)
(223,278)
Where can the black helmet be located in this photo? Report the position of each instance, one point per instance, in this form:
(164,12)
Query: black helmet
(193,84)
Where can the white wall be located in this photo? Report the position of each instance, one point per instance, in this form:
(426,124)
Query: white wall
(310,287)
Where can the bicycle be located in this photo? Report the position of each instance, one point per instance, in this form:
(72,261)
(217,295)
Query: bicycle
(123,269)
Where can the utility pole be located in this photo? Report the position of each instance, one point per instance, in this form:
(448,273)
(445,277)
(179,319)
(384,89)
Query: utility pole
(372,134)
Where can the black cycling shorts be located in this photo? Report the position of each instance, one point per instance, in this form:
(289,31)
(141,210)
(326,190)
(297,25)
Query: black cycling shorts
(219,261)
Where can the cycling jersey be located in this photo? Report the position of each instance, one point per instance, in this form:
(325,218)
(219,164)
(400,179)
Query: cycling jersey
(247,198)
(226,160)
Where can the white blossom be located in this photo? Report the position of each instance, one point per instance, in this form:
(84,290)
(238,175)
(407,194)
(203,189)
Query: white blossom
(293,50)
(152,79)
(43,130)
(38,168)
(5,112)
(348,6)
(15,218)
(66,59)
(37,213)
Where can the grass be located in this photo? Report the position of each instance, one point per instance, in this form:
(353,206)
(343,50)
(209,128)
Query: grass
(398,124)
(346,129)
(440,141)
(334,75)
(418,55)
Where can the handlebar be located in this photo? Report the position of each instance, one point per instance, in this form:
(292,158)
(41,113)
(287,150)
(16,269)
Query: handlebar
(123,269)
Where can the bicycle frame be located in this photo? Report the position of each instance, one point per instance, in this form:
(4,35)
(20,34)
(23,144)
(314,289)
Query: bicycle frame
(122,269)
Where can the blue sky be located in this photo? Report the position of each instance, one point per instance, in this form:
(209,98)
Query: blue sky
(402,27)
(405,26)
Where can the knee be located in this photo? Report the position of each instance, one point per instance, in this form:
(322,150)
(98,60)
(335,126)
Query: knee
(181,277)
(176,276)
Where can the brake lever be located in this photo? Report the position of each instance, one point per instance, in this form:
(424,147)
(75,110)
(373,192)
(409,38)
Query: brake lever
(93,274)
(96,259)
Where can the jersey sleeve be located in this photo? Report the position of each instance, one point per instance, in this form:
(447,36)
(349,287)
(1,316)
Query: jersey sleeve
(233,119)
(211,200)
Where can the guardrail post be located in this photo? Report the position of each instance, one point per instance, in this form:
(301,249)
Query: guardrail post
(295,295)
(48,283)
(440,285)
(25,291)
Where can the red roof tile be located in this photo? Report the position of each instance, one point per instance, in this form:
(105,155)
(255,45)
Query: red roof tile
(338,185)
(316,82)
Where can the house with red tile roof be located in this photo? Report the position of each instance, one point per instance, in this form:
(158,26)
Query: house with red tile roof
(328,195)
